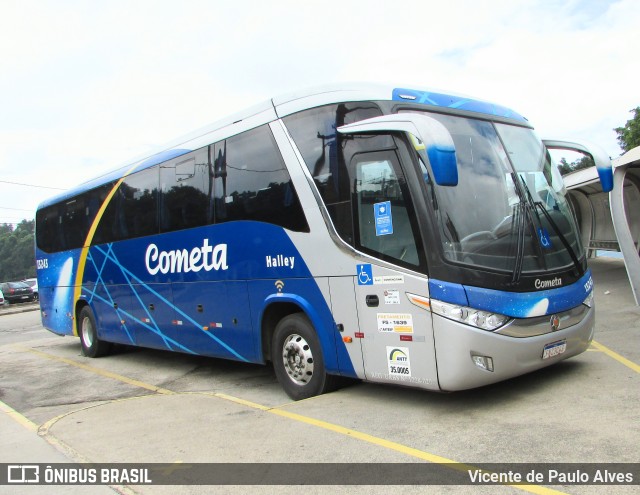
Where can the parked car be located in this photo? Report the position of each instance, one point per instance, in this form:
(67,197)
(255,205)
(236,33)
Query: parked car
(33,283)
(16,292)
(1,298)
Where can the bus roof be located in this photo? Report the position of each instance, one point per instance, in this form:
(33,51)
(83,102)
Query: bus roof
(284,105)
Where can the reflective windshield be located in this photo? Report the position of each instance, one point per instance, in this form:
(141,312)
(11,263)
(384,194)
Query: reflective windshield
(508,211)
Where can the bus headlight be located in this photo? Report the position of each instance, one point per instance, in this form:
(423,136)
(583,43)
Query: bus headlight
(469,316)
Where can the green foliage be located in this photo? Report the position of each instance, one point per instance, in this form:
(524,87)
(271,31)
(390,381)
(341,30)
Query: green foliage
(629,135)
(17,255)
(566,168)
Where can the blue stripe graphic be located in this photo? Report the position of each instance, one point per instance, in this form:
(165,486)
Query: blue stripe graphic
(129,277)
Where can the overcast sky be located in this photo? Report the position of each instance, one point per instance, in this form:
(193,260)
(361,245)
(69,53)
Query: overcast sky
(87,85)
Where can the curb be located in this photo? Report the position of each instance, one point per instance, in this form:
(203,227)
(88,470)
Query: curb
(12,310)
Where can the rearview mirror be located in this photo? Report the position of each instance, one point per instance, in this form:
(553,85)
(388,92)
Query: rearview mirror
(430,139)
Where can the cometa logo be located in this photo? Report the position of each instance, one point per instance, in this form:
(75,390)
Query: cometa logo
(548,284)
(205,258)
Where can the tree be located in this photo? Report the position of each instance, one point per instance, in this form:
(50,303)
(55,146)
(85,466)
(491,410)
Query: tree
(629,135)
(5,228)
(17,257)
(566,168)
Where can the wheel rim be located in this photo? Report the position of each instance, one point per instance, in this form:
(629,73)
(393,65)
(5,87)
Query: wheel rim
(87,332)
(297,359)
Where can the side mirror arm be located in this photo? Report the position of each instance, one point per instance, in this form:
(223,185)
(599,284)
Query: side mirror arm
(600,158)
(433,139)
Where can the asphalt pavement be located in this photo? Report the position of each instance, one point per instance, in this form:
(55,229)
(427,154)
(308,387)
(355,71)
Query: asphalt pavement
(191,415)
(22,445)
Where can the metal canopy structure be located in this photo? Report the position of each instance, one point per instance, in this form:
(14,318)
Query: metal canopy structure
(611,221)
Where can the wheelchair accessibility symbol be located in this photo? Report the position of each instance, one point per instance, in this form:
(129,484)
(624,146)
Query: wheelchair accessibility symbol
(365,275)
(545,240)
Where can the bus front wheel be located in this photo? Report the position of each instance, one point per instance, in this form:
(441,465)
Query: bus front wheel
(297,358)
(92,346)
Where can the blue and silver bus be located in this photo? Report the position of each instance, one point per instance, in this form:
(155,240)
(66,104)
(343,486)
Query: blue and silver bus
(379,233)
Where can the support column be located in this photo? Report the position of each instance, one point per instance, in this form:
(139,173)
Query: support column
(623,232)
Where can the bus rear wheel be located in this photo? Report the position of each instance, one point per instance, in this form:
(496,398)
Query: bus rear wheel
(297,358)
(92,346)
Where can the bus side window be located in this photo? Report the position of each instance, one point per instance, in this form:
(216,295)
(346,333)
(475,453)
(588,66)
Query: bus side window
(49,233)
(251,182)
(186,185)
(74,221)
(66,225)
(132,211)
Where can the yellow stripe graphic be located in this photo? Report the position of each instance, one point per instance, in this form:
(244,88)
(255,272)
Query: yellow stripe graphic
(87,243)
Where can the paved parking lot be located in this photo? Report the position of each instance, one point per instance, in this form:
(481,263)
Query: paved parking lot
(149,406)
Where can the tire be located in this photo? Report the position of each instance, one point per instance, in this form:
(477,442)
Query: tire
(297,358)
(92,346)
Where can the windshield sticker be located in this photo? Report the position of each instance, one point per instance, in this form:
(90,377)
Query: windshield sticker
(384,222)
(398,361)
(545,240)
(395,322)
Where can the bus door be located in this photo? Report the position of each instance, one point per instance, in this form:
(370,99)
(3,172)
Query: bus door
(345,313)
(395,323)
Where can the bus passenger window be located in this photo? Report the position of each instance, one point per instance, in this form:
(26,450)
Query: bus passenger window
(132,211)
(251,182)
(186,183)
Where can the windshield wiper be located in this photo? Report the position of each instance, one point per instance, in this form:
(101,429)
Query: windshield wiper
(519,219)
(524,209)
(554,226)
(563,239)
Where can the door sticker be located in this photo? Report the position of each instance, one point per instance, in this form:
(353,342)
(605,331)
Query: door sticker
(365,274)
(398,361)
(392,296)
(395,322)
(389,279)
(382,214)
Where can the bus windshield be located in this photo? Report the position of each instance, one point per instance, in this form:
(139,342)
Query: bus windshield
(508,212)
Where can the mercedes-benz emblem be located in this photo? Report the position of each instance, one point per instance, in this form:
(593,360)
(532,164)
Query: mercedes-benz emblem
(555,322)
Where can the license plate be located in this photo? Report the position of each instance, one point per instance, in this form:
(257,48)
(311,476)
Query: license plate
(24,297)
(554,349)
